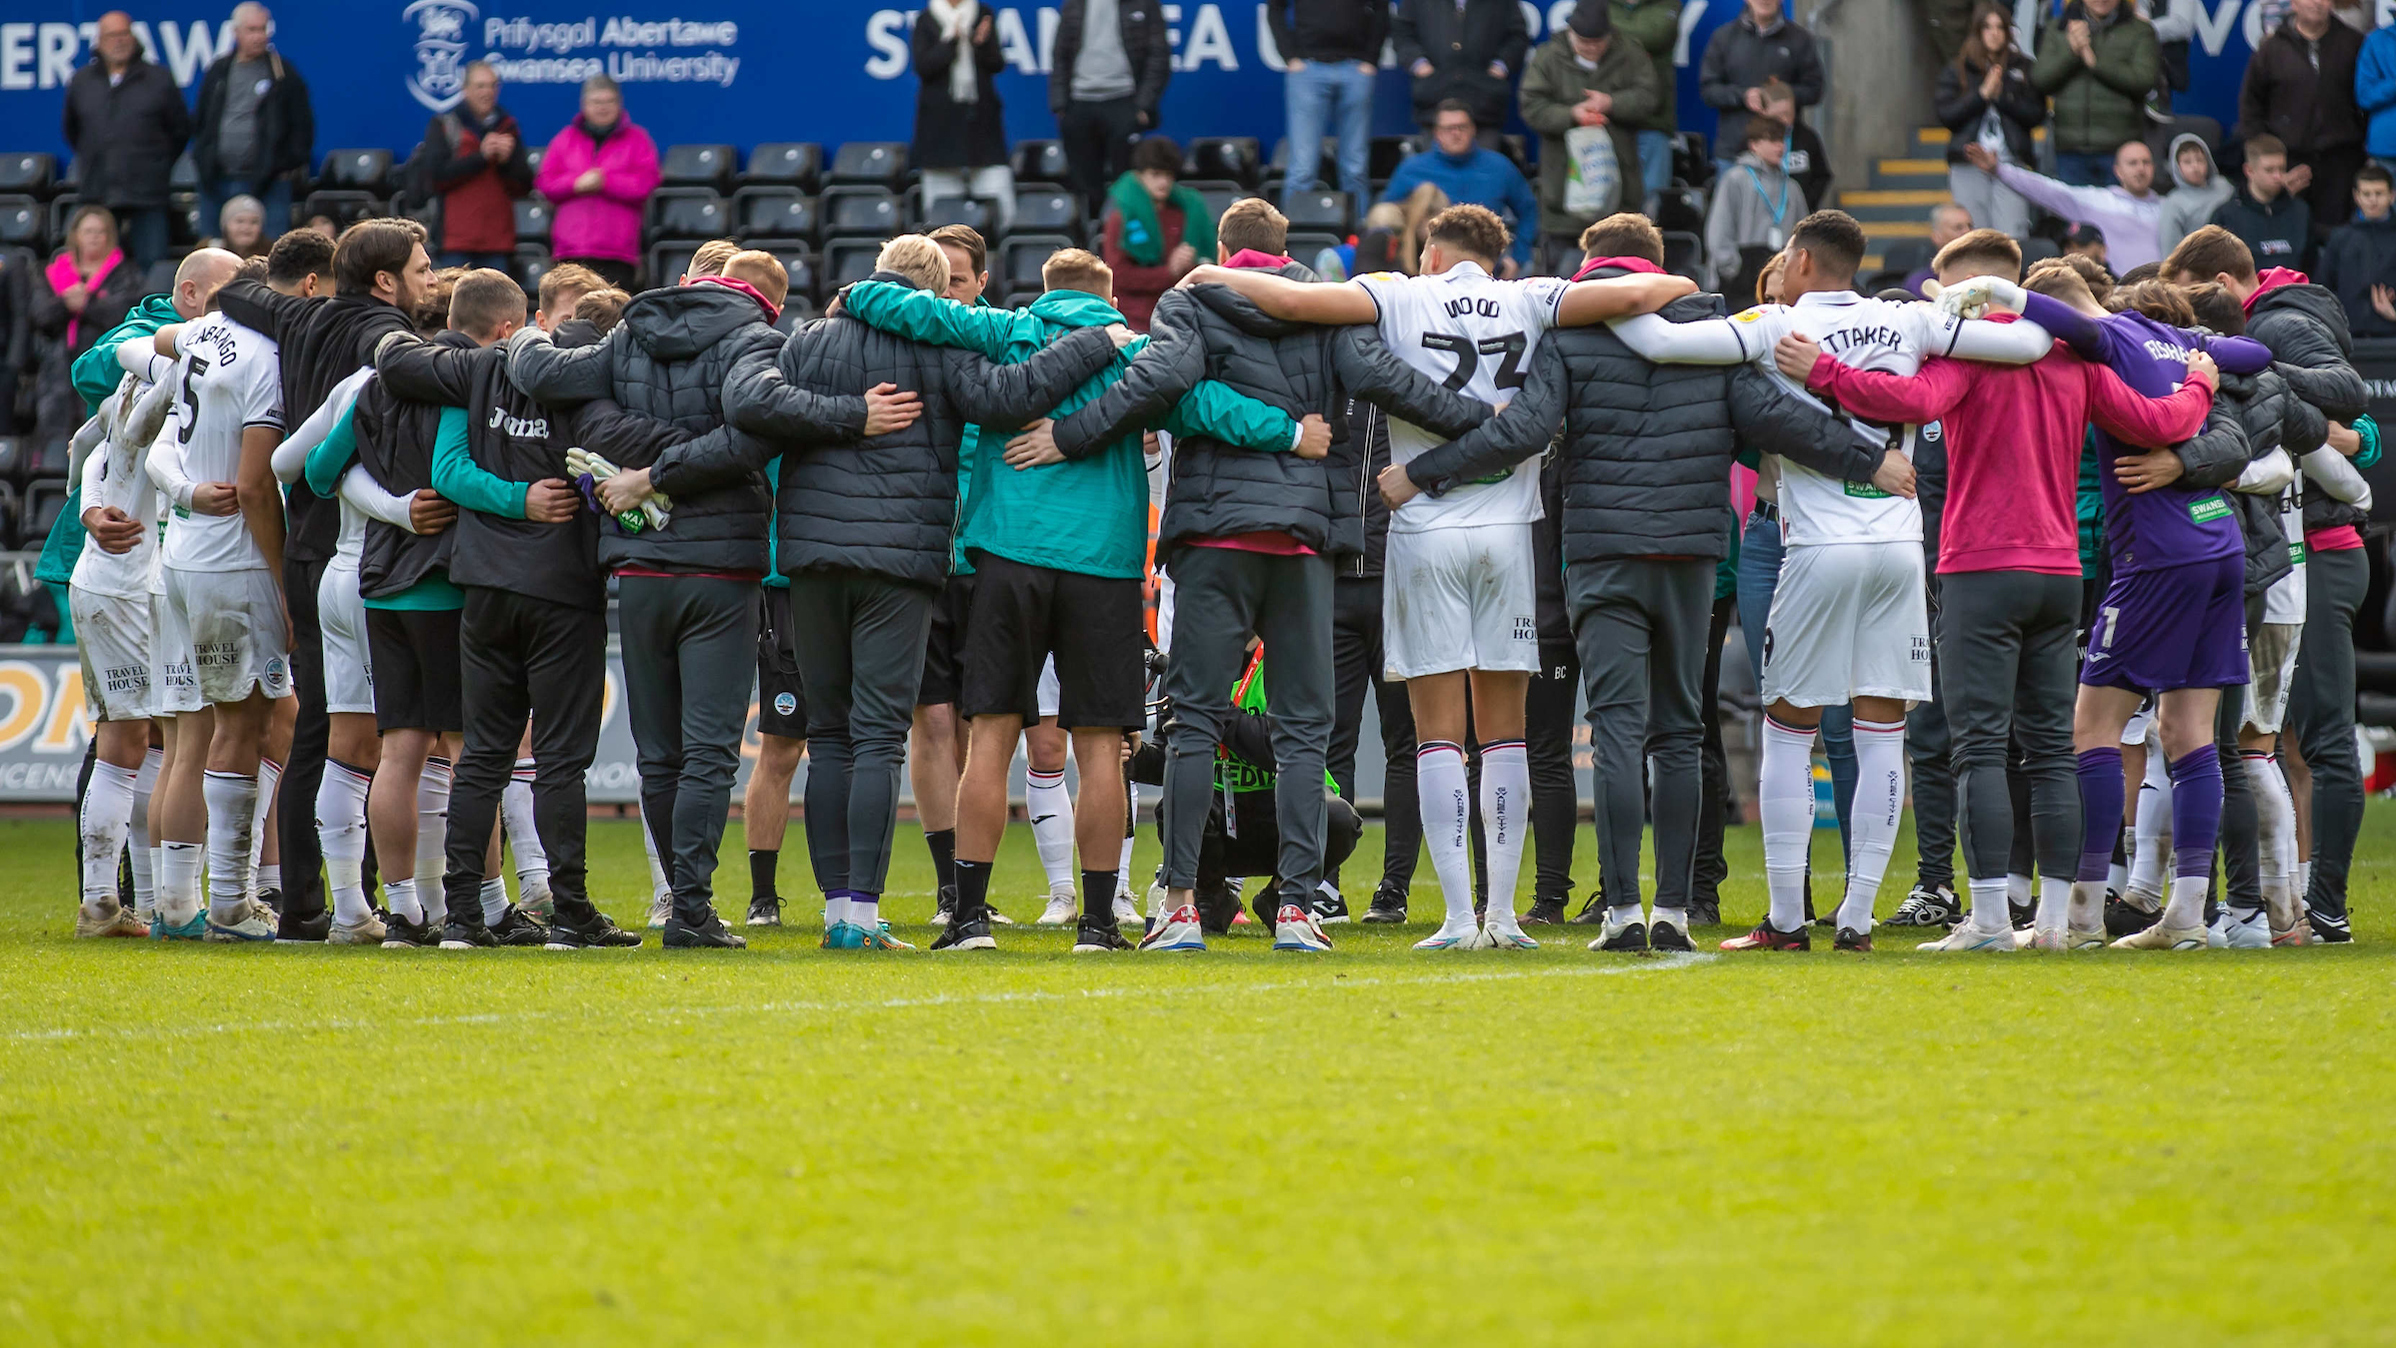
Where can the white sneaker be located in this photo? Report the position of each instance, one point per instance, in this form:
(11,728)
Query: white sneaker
(1965,936)
(1126,915)
(1294,929)
(1452,936)
(119,921)
(1063,910)
(1502,932)
(2250,933)
(2160,937)
(661,907)
(1177,930)
(2042,938)
(257,923)
(2076,939)
(370,932)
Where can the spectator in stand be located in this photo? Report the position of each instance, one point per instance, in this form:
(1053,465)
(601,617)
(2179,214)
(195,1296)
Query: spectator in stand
(86,290)
(1949,221)
(474,160)
(1585,89)
(1458,170)
(600,171)
(241,229)
(1761,44)
(1756,204)
(1985,98)
(2126,212)
(960,129)
(1109,65)
(2358,264)
(126,123)
(1802,154)
(1655,26)
(2082,239)
(1331,50)
(1155,230)
(2300,87)
(2375,93)
(254,128)
(2273,222)
(2197,190)
(1462,51)
(2098,61)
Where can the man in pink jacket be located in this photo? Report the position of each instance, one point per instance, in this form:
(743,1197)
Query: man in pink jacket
(599,173)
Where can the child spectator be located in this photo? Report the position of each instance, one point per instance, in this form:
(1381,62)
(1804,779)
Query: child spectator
(2274,223)
(2197,190)
(2359,262)
(1155,231)
(1755,205)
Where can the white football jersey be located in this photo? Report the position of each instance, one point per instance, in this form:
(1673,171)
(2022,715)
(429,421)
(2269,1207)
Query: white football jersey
(114,476)
(228,378)
(1475,334)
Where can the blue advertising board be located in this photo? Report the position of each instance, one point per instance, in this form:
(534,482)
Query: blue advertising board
(742,71)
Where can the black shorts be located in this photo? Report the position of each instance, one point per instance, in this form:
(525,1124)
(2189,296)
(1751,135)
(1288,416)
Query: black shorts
(1092,624)
(781,699)
(417,673)
(944,653)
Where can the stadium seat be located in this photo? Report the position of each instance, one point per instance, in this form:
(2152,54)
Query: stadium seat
(1681,207)
(45,501)
(62,209)
(532,263)
(1382,157)
(798,264)
(1305,244)
(847,261)
(1235,158)
(12,458)
(1904,256)
(773,213)
(366,171)
(24,223)
(1684,255)
(11,514)
(50,458)
(786,163)
(858,212)
(1217,195)
(698,166)
(1318,210)
(160,278)
(1022,257)
(667,261)
(27,172)
(345,207)
(184,225)
(1040,161)
(533,155)
(2036,250)
(1690,162)
(1326,159)
(873,163)
(1049,210)
(688,213)
(532,220)
(797,310)
(972,212)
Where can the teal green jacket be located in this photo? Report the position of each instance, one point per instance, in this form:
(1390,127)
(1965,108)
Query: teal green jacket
(95,375)
(1089,515)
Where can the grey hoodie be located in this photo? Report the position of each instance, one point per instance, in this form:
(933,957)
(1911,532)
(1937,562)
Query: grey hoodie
(2188,206)
(1742,213)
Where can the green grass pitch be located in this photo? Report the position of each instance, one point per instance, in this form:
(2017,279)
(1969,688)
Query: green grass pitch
(213,1145)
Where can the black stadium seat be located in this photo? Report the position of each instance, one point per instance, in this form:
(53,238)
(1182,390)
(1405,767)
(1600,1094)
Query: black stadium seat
(28,172)
(345,208)
(786,163)
(50,458)
(1306,244)
(847,261)
(366,171)
(858,212)
(1326,159)
(12,458)
(797,263)
(697,166)
(667,261)
(1021,259)
(688,213)
(24,223)
(875,163)
(1231,157)
(45,501)
(1318,209)
(1040,161)
(972,212)
(533,155)
(160,278)
(1382,157)
(532,263)
(1048,210)
(532,220)
(1684,255)
(773,213)
(1218,196)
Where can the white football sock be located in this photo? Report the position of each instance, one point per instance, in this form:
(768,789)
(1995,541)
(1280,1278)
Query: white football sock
(515,814)
(494,898)
(2150,859)
(1050,808)
(1443,793)
(2017,889)
(270,777)
(232,799)
(2278,810)
(836,910)
(106,818)
(2117,873)
(267,875)
(400,897)
(660,889)
(1872,824)
(179,881)
(865,910)
(1123,866)
(2186,907)
(145,847)
(2054,903)
(1678,917)
(432,826)
(2303,884)
(1623,914)
(2087,910)
(1785,800)
(1505,821)
(341,832)
(1989,912)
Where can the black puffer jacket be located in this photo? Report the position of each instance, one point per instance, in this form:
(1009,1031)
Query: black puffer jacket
(1366,447)
(669,359)
(2273,418)
(396,433)
(887,506)
(1647,447)
(324,341)
(2312,349)
(1219,490)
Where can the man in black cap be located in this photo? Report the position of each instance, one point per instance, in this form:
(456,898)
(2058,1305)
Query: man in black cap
(1585,94)
(2087,240)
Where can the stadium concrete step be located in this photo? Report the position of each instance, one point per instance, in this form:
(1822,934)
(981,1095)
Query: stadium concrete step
(1896,203)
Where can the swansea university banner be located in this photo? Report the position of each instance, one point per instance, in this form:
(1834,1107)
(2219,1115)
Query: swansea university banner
(745,71)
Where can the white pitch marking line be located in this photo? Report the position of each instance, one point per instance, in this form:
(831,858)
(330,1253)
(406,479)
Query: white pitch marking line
(1665,964)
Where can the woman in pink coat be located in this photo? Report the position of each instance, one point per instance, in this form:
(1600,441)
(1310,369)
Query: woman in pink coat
(599,173)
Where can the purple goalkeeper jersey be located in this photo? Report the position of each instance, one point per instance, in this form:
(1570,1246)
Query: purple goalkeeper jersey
(2169,526)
